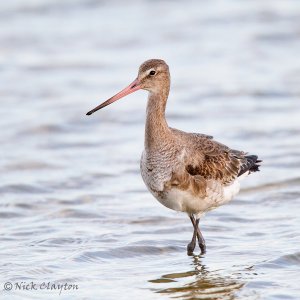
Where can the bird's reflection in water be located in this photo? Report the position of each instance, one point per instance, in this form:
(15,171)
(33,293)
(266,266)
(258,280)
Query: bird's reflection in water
(198,283)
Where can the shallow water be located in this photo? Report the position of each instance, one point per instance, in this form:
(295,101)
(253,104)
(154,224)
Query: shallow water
(73,205)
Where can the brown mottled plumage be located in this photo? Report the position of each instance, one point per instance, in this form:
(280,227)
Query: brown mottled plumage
(186,172)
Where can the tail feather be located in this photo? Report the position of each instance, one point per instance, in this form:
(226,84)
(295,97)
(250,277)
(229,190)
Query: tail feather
(251,163)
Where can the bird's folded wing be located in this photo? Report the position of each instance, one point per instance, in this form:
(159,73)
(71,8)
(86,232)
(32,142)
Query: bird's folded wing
(213,160)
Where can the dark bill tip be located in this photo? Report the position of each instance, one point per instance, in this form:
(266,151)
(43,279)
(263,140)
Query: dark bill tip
(89,113)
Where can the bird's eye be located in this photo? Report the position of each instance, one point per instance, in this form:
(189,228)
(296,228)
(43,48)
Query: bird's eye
(152,73)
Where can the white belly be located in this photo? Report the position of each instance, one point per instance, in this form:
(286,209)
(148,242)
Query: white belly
(185,201)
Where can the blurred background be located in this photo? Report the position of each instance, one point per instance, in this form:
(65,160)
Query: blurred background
(73,205)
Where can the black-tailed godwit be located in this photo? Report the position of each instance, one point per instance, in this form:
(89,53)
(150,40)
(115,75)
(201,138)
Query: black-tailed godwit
(188,172)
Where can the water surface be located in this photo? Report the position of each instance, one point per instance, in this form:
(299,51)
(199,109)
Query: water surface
(73,205)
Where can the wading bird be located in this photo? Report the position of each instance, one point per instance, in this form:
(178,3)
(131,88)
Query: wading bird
(187,172)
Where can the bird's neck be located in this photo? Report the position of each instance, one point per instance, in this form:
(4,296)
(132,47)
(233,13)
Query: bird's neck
(157,129)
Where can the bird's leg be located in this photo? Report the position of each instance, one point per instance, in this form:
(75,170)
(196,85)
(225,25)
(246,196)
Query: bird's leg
(201,241)
(191,246)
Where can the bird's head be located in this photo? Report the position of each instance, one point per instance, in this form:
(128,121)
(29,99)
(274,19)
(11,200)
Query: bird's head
(153,76)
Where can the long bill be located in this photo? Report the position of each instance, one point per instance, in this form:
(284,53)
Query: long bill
(134,86)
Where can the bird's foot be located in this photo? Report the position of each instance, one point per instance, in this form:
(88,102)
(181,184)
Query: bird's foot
(202,247)
(190,248)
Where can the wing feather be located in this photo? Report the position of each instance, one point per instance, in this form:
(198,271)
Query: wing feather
(212,160)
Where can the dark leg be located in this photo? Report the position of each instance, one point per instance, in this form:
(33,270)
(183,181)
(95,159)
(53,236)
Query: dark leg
(201,241)
(191,246)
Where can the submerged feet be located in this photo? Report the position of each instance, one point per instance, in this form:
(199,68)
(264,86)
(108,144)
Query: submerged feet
(191,246)
(196,235)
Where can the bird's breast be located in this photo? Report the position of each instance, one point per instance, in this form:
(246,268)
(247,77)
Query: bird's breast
(155,171)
